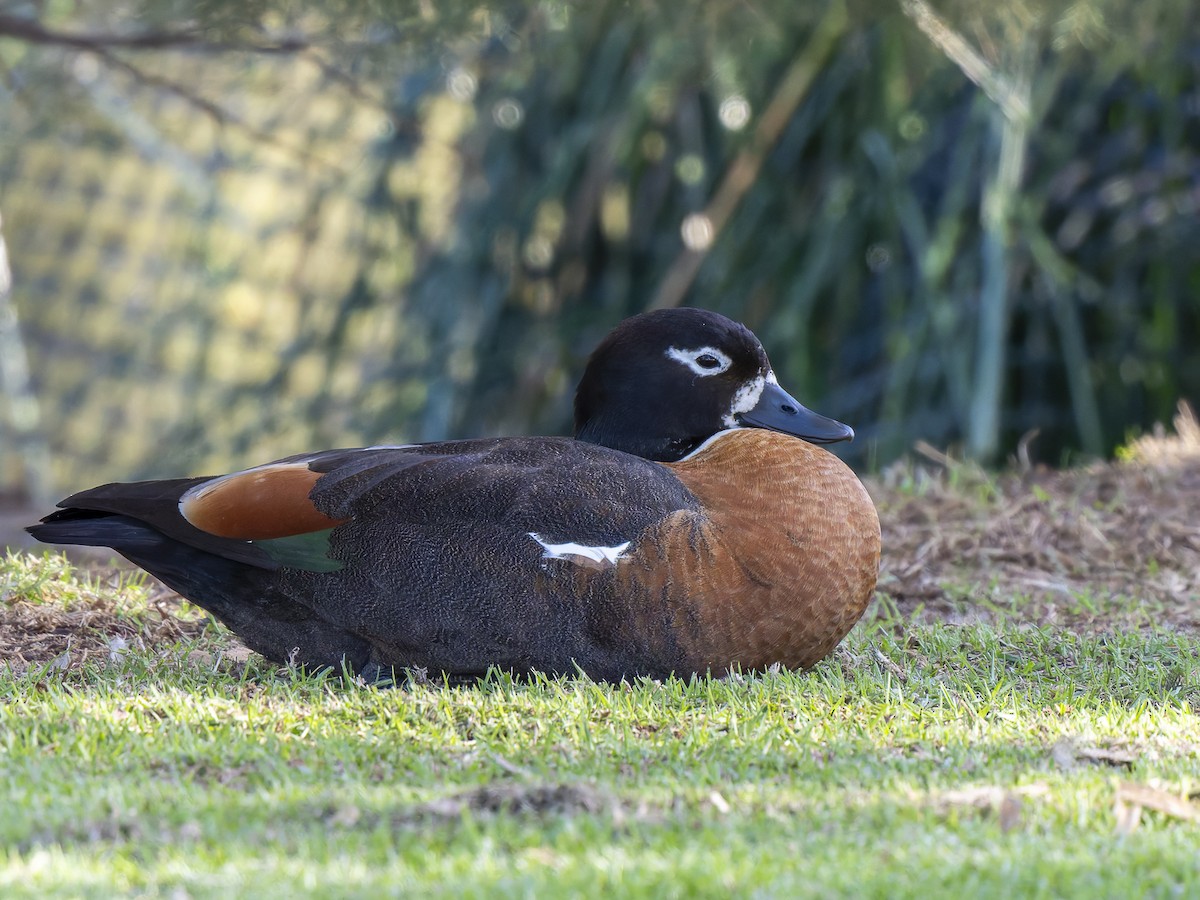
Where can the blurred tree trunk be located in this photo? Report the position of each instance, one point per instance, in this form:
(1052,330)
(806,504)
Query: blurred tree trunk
(23,413)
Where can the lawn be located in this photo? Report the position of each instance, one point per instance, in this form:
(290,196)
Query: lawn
(1017,716)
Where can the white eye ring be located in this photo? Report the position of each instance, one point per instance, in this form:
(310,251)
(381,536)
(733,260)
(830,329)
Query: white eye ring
(704,361)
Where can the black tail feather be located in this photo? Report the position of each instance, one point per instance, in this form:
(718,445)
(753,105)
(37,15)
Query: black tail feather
(104,527)
(89,528)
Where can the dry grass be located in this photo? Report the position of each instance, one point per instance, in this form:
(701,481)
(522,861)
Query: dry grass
(49,618)
(1107,545)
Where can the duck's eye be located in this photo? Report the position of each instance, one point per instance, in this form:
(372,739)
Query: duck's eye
(701,360)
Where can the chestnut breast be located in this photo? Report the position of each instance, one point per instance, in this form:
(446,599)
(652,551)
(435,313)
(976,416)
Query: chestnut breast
(780,565)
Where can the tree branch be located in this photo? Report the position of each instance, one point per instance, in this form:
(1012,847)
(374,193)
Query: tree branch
(347,82)
(34,32)
(219,114)
(743,171)
(993,82)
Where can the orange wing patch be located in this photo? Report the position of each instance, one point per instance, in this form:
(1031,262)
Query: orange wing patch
(258,504)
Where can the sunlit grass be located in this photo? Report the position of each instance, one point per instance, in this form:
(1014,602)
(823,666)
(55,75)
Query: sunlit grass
(982,760)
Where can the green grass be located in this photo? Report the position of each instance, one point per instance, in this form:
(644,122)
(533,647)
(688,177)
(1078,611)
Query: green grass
(919,761)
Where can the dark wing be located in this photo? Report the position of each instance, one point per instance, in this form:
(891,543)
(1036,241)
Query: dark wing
(560,488)
(285,512)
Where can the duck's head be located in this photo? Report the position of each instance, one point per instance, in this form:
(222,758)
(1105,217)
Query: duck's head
(662,383)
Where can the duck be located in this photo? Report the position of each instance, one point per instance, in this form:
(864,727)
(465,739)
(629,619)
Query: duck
(694,524)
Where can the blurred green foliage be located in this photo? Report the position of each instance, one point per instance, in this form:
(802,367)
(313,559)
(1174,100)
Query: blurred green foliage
(288,227)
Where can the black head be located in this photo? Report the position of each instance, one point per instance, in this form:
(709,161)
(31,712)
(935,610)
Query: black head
(662,383)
